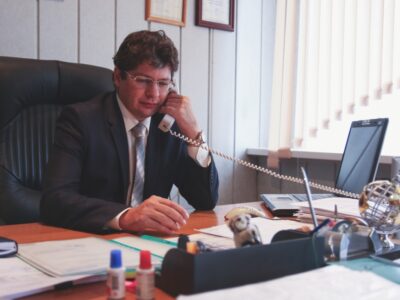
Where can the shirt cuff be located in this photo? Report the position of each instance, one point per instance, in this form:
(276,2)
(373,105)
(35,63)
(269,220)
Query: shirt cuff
(199,155)
(114,222)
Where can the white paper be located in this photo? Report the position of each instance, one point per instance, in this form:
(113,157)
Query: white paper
(19,279)
(169,9)
(213,241)
(216,11)
(332,282)
(77,256)
(267,227)
(40,266)
(345,206)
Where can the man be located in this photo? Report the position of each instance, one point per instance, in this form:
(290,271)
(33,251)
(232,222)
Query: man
(99,176)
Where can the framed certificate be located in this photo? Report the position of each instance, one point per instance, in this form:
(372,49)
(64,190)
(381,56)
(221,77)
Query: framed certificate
(217,14)
(166,11)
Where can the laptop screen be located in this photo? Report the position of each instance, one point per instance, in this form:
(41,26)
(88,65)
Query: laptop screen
(361,154)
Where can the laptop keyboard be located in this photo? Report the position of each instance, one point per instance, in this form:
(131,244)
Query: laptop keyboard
(303,197)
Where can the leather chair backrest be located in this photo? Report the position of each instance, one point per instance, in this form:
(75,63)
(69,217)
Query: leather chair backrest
(32,94)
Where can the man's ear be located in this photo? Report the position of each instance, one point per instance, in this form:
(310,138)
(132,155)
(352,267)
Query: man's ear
(117,76)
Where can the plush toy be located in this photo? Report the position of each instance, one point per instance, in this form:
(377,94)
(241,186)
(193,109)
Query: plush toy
(244,233)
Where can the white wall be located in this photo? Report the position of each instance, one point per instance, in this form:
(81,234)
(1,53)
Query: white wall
(227,75)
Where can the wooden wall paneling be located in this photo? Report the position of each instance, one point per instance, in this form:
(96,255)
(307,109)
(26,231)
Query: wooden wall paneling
(268,41)
(267,183)
(247,94)
(174,33)
(58,30)
(323,172)
(262,178)
(383,172)
(97,32)
(222,107)
(291,167)
(194,72)
(195,67)
(129,18)
(18,28)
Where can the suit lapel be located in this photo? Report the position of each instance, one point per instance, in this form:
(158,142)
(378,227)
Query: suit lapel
(118,133)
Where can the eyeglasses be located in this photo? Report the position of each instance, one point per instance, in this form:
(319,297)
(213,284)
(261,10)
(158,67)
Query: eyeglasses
(146,82)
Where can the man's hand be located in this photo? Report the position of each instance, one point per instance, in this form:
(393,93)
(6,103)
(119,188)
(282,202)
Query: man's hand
(179,107)
(154,214)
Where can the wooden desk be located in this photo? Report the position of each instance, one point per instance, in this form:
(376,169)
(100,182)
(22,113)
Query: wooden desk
(35,232)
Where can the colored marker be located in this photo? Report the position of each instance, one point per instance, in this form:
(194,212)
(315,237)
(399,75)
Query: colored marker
(116,276)
(145,277)
(191,247)
(323,224)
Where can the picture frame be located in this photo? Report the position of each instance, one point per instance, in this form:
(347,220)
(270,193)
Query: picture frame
(216,14)
(166,11)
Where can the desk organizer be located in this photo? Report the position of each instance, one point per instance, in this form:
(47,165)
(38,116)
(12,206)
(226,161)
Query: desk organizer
(185,273)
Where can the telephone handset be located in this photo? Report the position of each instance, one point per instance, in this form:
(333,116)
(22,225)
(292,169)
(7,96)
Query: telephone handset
(167,122)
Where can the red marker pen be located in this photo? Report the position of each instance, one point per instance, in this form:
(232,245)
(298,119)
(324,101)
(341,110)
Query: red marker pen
(145,277)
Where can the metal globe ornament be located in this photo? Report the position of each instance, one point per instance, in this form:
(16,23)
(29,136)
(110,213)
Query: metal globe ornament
(379,206)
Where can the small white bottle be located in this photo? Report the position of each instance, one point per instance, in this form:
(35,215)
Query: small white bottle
(145,277)
(116,276)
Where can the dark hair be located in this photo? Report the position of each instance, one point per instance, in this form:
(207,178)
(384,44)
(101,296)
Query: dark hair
(153,47)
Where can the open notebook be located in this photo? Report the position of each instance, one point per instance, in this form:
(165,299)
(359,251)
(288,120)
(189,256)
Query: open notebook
(43,266)
(357,168)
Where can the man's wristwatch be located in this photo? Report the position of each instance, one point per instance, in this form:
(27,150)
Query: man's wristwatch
(200,138)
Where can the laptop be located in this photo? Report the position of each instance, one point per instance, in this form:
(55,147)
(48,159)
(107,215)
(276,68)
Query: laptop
(358,166)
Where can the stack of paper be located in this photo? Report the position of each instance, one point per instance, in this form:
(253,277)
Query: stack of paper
(42,266)
(212,241)
(267,227)
(346,207)
(19,279)
(77,256)
(332,282)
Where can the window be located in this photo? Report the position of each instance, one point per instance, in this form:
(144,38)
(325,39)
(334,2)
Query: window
(335,61)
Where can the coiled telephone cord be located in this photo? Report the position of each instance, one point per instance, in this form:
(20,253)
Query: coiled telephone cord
(262,169)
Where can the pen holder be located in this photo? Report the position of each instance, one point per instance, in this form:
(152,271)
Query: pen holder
(185,273)
(351,241)
(289,234)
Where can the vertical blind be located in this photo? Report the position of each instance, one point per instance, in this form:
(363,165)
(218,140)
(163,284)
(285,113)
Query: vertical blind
(333,58)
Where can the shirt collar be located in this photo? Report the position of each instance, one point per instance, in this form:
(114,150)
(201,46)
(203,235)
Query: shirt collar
(129,119)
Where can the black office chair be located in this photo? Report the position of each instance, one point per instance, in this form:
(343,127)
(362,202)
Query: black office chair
(32,93)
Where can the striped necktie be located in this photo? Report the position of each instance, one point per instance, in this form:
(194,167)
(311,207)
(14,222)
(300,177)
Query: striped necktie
(139,131)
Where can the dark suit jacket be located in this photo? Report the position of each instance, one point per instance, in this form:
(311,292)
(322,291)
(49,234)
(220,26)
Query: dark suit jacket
(86,180)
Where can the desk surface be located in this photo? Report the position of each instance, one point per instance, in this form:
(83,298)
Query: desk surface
(35,232)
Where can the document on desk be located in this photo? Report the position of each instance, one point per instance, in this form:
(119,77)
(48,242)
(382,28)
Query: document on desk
(212,241)
(89,255)
(332,282)
(157,246)
(346,207)
(267,227)
(19,279)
